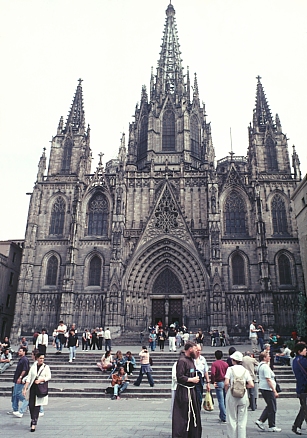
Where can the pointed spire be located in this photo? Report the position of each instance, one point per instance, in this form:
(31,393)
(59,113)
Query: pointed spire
(296,165)
(169,71)
(262,111)
(60,126)
(76,118)
(144,96)
(41,166)
(195,88)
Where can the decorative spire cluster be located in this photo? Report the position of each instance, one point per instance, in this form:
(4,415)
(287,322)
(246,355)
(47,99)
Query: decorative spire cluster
(170,77)
(262,111)
(76,117)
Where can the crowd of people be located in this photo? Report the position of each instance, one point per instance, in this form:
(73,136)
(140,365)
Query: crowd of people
(190,374)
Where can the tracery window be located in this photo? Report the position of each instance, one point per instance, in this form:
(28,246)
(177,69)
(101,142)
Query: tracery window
(57,217)
(168,131)
(194,133)
(279,215)
(271,154)
(95,272)
(238,270)
(166,213)
(143,137)
(66,161)
(52,271)
(235,215)
(98,213)
(284,269)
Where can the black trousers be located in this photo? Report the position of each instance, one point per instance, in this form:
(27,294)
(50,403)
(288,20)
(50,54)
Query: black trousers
(302,415)
(34,410)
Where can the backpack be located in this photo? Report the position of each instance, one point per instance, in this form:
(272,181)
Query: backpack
(238,385)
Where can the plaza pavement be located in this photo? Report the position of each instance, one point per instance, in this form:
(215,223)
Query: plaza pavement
(129,418)
(132,418)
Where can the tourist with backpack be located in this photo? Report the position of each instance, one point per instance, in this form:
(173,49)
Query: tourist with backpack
(237,379)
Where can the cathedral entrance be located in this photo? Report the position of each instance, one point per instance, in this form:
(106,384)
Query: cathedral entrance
(167,310)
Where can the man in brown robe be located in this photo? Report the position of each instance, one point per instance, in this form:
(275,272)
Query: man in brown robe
(186,422)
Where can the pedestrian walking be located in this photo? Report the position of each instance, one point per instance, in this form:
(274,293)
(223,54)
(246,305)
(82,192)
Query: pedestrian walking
(299,366)
(267,386)
(39,373)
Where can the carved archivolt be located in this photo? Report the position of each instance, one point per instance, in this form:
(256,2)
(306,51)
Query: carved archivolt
(165,253)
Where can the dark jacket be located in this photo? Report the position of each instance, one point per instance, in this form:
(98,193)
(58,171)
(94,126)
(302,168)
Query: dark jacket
(299,366)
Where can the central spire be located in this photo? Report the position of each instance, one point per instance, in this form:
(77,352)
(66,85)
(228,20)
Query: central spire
(262,110)
(169,72)
(76,119)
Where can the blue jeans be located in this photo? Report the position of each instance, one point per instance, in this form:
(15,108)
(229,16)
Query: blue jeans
(120,388)
(72,353)
(18,397)
(220,395)
(153,345)
(252,399)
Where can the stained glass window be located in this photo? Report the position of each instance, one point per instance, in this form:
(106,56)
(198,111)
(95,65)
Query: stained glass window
(95,271)
(279,215)
(168,131)
(67,156)
(98,215)
(238,271)
(194,128)
(57,217)
(52,271)
(235,216)
(284,269)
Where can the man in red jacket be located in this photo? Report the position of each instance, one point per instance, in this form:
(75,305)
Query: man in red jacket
(218,371)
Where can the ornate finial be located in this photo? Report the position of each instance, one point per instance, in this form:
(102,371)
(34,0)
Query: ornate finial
(80,82)
(258,78)
(100,158)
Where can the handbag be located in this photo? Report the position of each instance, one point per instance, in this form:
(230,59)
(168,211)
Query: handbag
(208,402)
(278,388)
(41,389)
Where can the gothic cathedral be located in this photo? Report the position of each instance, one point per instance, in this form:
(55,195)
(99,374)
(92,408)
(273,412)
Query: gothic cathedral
(163,231)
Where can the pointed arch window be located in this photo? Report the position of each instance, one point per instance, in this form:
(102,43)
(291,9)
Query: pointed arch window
(238,270)
(143,137)
(57,217)
(95,272)
(279,215)
(168,131)
(271,154)
(66,161)
(52,271)
(284,269)
(98,215)
(194,133)
(235,215)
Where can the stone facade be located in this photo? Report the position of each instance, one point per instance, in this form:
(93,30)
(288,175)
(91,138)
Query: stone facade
(299,198)
(10,260)
(163,232)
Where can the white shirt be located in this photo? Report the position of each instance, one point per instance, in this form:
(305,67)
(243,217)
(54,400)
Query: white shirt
(42,339)
(201,365)
(62,329)
(252,334)
(107,334)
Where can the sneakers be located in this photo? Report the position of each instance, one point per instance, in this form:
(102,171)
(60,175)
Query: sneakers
(10,413)
(296,430)
(41,414)
(260,425)
(274,429)
(222,421)
(18,414)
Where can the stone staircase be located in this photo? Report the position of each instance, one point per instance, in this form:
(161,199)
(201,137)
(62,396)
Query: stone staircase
(82,378)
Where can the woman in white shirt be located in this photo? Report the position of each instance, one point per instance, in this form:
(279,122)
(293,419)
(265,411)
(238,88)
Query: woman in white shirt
(267,386)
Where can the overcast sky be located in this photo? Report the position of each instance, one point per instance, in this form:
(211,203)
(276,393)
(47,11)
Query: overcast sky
(47,45)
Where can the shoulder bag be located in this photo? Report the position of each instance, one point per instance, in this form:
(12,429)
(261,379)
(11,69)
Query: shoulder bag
(41,389)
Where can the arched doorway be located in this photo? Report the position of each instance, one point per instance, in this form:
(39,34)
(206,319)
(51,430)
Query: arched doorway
(167,309)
